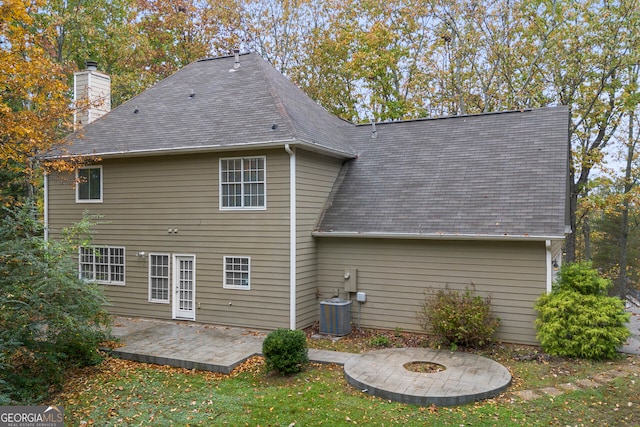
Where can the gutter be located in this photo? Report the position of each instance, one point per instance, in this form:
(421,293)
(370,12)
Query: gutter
(209,148)
(437,236)
(292,236)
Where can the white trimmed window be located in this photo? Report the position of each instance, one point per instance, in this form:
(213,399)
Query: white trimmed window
(237,272)
(242,183)
(102,264)
(89,184)
(159,278)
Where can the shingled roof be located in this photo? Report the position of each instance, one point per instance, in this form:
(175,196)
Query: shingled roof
(210,105)
(499,175)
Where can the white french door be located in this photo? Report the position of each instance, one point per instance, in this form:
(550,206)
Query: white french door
(184,287)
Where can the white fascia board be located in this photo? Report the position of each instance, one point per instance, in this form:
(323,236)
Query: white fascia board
(437,236)
(212,148)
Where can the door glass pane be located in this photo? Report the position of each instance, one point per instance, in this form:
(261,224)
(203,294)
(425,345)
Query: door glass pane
(186,285)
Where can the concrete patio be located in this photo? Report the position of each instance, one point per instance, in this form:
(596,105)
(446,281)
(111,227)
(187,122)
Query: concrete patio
(467,377)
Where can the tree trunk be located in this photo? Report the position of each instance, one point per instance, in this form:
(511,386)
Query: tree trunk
(570,241)
(621,286)
(586,235)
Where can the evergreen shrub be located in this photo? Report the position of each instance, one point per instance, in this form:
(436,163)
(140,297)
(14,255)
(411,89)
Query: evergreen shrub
(578,318)
(285,351)
(50,320)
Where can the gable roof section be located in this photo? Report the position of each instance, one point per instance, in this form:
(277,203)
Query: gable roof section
(205,106)
(496,176)
(499,175)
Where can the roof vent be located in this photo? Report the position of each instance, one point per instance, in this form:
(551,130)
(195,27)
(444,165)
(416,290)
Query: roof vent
(236,63)
(374,132)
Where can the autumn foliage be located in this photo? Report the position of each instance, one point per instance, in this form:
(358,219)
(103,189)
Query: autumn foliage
(34,100)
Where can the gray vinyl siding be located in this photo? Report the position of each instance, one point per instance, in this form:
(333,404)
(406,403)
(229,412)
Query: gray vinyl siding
(315,177)
(144,197)
(394,274)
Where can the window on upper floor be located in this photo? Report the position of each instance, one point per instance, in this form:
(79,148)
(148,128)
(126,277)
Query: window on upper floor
(102,264)
(89,184)
(237,272)
(243,183)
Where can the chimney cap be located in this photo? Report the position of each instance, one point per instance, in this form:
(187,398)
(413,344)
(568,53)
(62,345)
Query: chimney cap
(91,65)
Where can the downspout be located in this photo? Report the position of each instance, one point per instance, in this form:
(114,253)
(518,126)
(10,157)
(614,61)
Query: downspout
(46,208)
(549,263)
(292,236)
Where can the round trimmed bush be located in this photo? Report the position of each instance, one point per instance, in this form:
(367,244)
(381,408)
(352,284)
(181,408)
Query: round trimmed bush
(285,350)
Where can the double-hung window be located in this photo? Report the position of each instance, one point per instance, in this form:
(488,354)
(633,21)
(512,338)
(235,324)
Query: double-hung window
(102,264)
(237,272)
(89,184)
(242,183)
(158,278)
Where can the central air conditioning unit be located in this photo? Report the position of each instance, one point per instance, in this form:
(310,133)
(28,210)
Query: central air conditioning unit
(335,317)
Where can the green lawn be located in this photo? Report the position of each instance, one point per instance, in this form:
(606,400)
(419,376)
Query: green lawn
(122,393)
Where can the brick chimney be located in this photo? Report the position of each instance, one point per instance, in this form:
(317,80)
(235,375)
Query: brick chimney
(91,94)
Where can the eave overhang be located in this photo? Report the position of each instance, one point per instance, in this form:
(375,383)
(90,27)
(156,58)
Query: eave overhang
(439,236)
(245,146)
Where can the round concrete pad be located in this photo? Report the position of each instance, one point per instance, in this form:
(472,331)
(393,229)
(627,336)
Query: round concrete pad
(467,377)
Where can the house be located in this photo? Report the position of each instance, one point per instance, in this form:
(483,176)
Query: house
(230,197)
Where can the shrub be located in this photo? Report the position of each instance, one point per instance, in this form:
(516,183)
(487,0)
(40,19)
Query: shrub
(50,319)
(285,350)
(581,277)
(585,326)
(458,318)
(577,319)
(380,341)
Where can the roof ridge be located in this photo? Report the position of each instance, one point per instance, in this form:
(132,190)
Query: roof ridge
(277,98)
(224,56)
(299,99)
(143,92)
(463,116)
